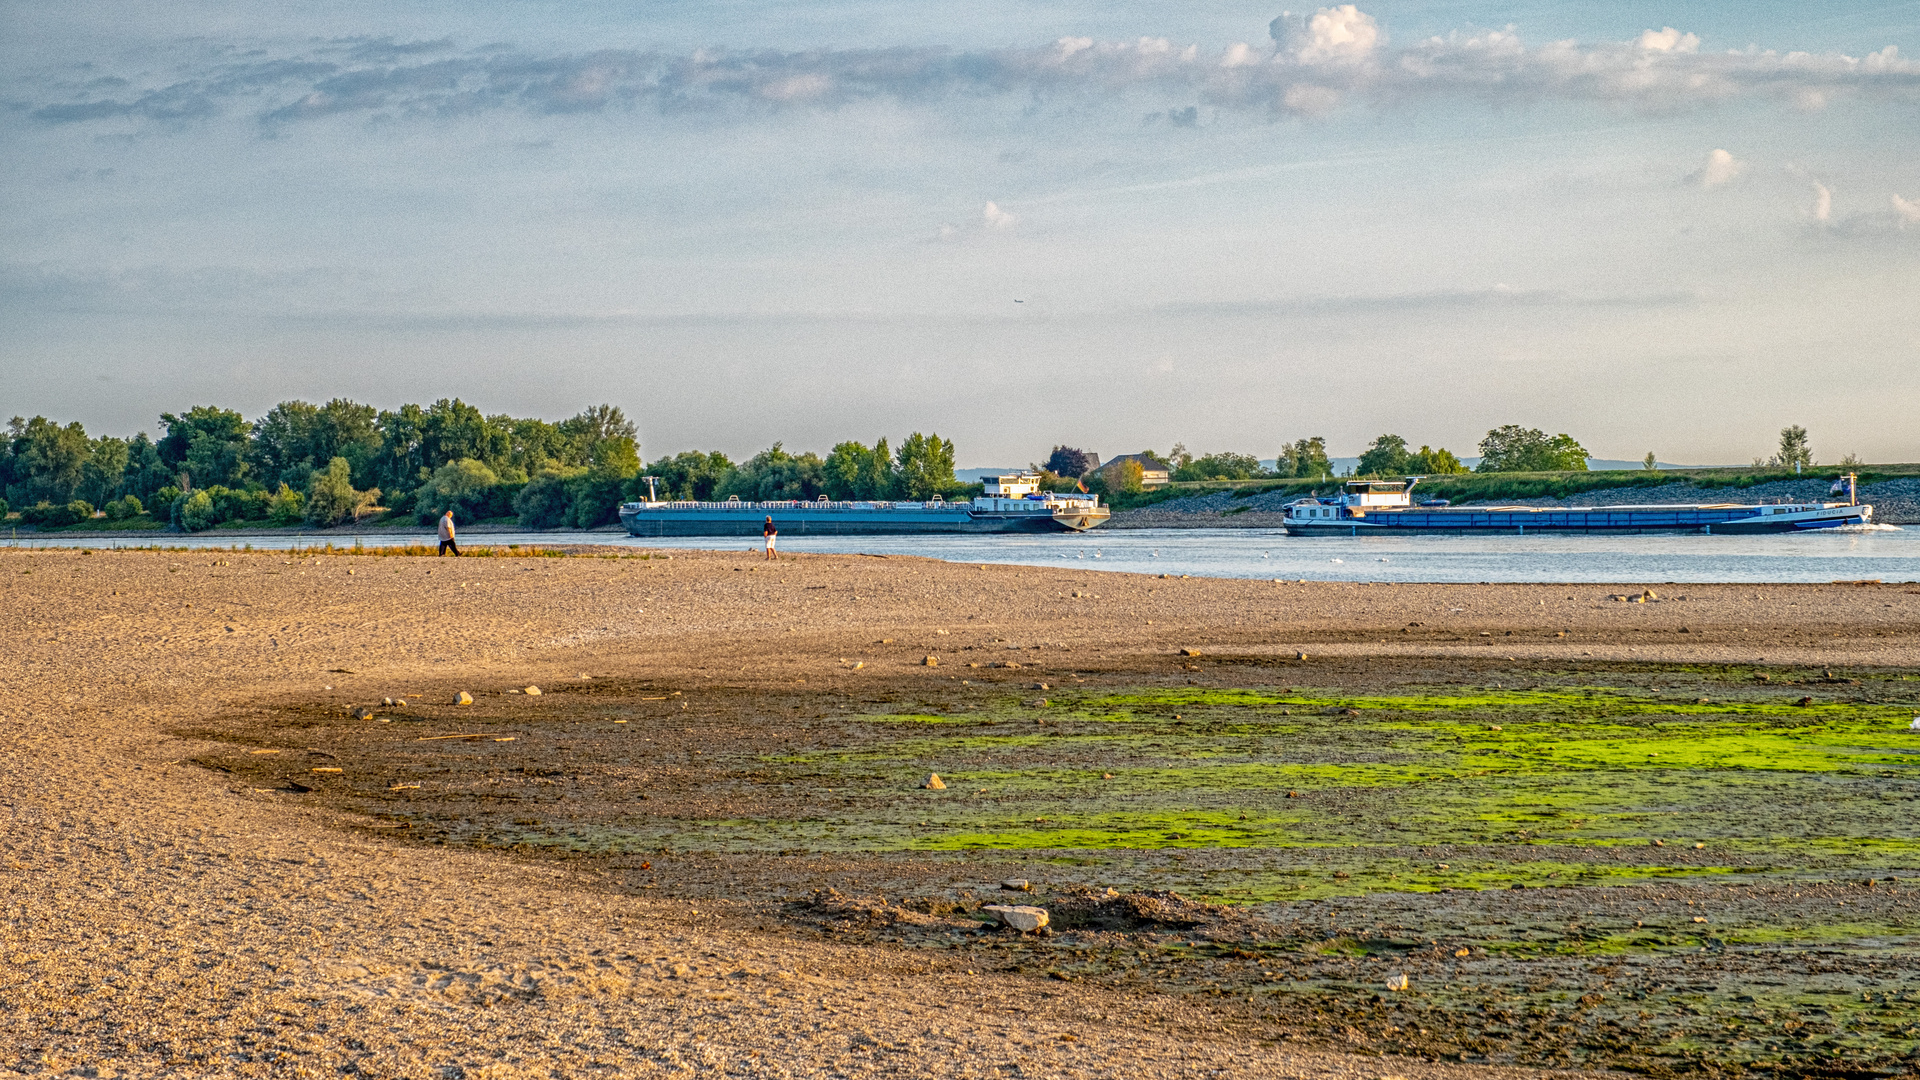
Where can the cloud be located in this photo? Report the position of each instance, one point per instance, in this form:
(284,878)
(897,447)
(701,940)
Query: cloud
(1721,168)
(1337,55)
(1907,212)
(1668,40)
(997,218)
(1337,35)
(1822,202)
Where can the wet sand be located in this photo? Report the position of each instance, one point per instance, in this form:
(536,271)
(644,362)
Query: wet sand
(163,915)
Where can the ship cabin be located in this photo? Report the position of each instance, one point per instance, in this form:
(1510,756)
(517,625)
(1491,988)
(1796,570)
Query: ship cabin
(1013,485)
(1365,494)
(1021,492)
(1359,497)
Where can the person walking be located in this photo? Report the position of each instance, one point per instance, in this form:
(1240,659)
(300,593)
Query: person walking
(769,532)
(447,542)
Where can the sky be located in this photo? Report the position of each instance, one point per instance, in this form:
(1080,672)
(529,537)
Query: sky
(1673,228)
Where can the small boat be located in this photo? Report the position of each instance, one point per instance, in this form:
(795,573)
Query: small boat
(1386,508)
(1010,504)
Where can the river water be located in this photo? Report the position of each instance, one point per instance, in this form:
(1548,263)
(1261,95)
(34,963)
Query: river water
(1882,552)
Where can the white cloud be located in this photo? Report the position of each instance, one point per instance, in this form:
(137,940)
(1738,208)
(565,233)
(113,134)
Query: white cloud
(1343,34)
(1822,202)
(1668,40)
(1343,47)
(1908,212)
(997,218)
(1721,168)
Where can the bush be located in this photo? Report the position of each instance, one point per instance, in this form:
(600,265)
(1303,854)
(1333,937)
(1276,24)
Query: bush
(4,508)
(464,487)
(47,515)
(547,500)
(331,498)
(596,499)
(193,512)
(286,507)
(239,504)
(123,508)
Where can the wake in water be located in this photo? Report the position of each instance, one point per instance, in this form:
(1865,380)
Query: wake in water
(1868,528)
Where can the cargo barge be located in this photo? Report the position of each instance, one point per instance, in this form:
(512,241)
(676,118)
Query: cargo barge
(1011,504)
(1386,508)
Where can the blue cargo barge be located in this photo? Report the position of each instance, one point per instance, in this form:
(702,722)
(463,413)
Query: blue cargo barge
(1010,504)
(1383,508)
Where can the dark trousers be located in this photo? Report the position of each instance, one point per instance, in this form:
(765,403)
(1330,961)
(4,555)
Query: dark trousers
(448,545)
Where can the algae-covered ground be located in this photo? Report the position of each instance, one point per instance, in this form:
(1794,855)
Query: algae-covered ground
(1665,869)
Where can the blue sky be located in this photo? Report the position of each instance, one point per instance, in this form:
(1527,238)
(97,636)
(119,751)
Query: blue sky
(1670,227)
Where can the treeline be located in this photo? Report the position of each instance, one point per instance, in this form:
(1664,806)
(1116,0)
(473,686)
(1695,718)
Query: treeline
(1505,449)
(326,465)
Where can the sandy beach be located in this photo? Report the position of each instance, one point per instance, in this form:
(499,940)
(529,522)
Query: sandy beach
(165,917)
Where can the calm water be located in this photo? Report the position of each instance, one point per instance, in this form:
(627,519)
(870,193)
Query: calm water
(1880,552)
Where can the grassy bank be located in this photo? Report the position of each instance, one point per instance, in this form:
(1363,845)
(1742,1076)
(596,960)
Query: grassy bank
(1480,487)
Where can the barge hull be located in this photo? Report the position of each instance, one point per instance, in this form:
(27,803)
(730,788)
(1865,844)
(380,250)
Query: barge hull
(692,522)
(1576,523)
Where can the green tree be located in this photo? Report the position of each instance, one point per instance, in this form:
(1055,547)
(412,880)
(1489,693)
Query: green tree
(287,507)
(1387,456)
(773,475)
(1305,459)
(1649,463)
(145,473)
(331,497)
(193,511)
(1513,448)
(1220,466)
(1795,452)
(547,501)
(1431,462)
(294,438)
(854,471)
(49,461)
(1128,478)
(689,474)
(462,486)
(123,508)
(105,470)
(210,444)
(925,466)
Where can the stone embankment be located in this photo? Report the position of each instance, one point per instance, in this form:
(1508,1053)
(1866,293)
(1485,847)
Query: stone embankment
(1895,502)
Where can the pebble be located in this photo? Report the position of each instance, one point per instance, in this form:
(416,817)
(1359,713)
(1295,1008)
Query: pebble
(531,691)
(1396,982)
(363,713)
(1189,652)
(463,698)
(931,660)
(1019,916)
(1018,884)
(934,783)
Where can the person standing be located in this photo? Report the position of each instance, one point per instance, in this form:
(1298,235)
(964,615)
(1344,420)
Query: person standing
(447,542)
(769,532)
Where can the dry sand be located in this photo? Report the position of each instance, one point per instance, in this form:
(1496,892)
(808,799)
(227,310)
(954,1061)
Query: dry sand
(161,920)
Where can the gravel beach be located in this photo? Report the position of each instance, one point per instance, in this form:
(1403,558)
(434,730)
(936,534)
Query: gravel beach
(167,918)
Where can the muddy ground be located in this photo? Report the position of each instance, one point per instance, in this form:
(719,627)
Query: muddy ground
(1698,868)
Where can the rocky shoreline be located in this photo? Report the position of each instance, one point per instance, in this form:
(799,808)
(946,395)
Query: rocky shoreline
(1895,502)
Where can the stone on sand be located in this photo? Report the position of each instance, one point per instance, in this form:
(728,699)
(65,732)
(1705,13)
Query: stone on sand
(1021,917)
(463,698)
(531,691)
(934,783)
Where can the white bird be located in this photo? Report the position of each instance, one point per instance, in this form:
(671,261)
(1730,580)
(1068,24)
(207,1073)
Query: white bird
(1337,560)
(1096,554)
(1383,558)
(1915,726)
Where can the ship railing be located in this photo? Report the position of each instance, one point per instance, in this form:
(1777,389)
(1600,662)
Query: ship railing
(794,504)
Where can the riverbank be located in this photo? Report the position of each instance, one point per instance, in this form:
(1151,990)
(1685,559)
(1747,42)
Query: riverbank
(1895,502)
(213,865)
